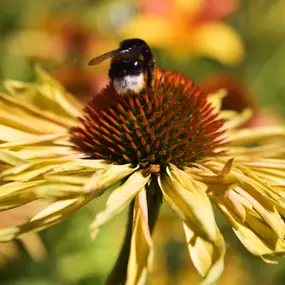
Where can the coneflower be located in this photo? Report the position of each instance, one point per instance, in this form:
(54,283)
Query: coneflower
(169,142)
(171,123)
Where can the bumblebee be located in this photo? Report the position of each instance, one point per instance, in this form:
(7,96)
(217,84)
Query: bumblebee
(131,66)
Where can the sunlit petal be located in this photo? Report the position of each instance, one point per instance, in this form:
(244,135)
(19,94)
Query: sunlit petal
(119,199)
(208,258)
(141,244)
(189,200)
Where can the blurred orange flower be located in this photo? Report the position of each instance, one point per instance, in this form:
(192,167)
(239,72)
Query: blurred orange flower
(239,98)
(188,27)
(66,42)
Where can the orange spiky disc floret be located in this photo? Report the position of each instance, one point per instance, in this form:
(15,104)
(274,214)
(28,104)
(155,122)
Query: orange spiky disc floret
(172,122)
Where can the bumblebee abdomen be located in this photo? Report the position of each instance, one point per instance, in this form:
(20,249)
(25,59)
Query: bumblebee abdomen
(129,83)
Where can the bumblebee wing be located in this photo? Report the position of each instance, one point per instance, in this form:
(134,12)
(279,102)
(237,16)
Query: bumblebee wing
(100,58)
(132,51)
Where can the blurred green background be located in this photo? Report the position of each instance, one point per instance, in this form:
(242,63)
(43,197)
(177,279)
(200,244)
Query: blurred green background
(238,45)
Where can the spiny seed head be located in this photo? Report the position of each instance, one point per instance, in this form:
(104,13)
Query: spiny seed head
(170,122)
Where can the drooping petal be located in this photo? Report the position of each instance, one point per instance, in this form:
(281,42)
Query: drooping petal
(189,200)
(119,199)
(257,237)
(208,258)
(256,246)
(141,244)
(249,203)
(51,215)
(34,247)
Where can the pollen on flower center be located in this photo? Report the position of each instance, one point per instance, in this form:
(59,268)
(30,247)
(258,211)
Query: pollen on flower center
(172,122)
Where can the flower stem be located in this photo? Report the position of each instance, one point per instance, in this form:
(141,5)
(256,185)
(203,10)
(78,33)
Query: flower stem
(119,272)
(154,199)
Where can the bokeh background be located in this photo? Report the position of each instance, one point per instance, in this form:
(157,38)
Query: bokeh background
(237,45)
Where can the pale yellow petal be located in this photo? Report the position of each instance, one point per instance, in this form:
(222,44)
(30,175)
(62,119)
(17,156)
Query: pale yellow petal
(238,204)
(216,99)
(28,118)
(55,209)
(254,244)
(57,191)
(26,170)
(93,163)
(30,170)
(15,87)
(71,179)
(259,194)
(45,152)
(26,175)
(56,92)
(8,134)
(141,244)
(47,99)
(29,97)
(102,179)
(15,194)
(119,199)
(34,246)
(257,237)
(269,215)
(238,120)
(246,136)
(7,234)
(10,158)
(32,140)
(208,258)
(51,215)
(189,200)
(266,163)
